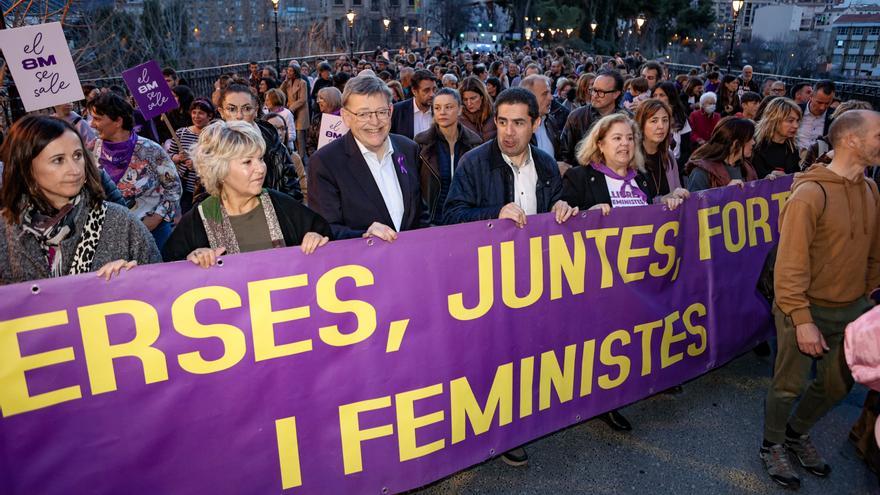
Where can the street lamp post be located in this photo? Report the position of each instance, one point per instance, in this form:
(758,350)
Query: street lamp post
(640,21)
(737,5)
(406,36)
(277,46)
(386,22)
(350,17)
(419,36)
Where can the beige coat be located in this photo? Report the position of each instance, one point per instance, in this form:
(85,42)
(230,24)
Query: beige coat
(297,94)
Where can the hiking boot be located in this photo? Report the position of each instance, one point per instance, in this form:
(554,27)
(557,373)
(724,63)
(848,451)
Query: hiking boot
(807,455)
(778,466)
(515,457)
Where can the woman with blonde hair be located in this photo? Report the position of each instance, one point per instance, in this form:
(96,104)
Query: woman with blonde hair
(612,172)
(239,216)
(776,151)
(477,113)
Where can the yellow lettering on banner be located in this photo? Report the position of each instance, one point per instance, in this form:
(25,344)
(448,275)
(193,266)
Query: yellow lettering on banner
(353,435)
(508,274)
(601,236)
(587,357)
(14,395)
(99,353)
(328,301)
(486,277)
(608,359)
(288,452)
(185,323)
(551,374)
(699,330)
(407,422)
(669,338)
(647,331)
(706,232)
(739,218)
(526,379)
(463,404)
(780,198)
(664,249)
(627,252)
(263,318)
(759,222)
(563,262)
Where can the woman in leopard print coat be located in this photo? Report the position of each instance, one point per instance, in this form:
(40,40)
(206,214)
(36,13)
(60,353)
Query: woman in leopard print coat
(53,217)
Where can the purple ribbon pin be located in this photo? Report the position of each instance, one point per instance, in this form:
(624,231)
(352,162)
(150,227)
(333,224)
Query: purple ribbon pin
(400,164)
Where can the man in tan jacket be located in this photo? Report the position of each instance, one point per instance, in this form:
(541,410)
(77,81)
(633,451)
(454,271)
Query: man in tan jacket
(828,262)
(296,89)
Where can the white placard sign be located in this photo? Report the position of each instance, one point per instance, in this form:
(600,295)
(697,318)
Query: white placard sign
(41,65)
(332,128)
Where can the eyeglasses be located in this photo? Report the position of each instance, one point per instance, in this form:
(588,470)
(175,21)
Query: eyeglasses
(382,114)
(244,109)
(601,93)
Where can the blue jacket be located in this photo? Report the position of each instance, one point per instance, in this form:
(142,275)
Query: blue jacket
(483,184)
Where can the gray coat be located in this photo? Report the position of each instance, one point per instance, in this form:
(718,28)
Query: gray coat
(122,237)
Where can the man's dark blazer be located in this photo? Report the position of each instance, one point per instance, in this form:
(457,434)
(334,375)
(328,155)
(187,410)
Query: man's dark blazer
(402,119)
(343,191)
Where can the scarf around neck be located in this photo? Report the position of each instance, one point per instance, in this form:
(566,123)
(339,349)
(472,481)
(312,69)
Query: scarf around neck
(628,181)
(219,229)
(50,230)
(115,157)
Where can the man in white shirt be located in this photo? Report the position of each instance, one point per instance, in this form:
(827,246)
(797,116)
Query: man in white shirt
(507,178)
(413,116)
(366,184)
(817,115)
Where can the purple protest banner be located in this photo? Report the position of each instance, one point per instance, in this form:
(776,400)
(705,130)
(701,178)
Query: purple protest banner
(150,91)
(370,367)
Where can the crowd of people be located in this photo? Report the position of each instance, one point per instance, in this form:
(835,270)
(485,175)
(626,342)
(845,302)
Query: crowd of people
(446,137)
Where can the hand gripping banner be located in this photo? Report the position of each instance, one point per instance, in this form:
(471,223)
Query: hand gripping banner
(370,367)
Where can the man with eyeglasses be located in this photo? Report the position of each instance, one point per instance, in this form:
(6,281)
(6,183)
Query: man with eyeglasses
(412,117)
(366,183)
(237,102)
(605,95)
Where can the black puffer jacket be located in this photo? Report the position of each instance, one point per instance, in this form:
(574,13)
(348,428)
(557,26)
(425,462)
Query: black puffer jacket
(280,173)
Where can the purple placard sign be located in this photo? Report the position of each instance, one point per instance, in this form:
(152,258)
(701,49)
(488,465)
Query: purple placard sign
(150,91)
(370,367)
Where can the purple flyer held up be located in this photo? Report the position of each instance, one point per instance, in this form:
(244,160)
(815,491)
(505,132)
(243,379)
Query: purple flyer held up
(151,92)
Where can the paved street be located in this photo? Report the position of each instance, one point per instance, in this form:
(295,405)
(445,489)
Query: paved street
(703,441)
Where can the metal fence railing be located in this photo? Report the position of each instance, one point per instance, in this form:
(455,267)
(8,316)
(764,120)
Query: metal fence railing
(845,90)
(200,80)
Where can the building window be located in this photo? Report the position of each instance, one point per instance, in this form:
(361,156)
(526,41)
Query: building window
(395,3)
(866,59)
(855,45)
(411,3)
(842,31)
(338,2)
(857,31)
(874,31)
(357,3)
(839,43)
(852,59)
(374,5)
